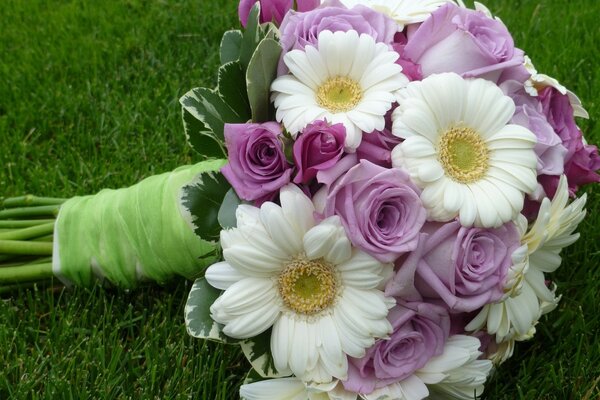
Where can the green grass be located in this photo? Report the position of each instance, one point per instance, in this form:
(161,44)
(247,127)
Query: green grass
(88,99)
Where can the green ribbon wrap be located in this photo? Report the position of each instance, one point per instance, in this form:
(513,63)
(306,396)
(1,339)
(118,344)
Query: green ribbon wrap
(129,235)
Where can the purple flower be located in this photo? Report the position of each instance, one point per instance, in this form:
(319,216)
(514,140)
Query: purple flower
(301,29)
(257,165)
(409,68)
(463,267)
(549,149)
(380,209)
(420,332)
(529,113)
(582,160)
(272,10)
(455,39)
(377,147)
(318,148)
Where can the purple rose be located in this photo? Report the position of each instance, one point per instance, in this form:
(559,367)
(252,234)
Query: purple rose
(318,148)
(257,165)
(409,68)
(549,149)
(301,29)
(467,42)
(273,10)
(380,209)
(581,160)
(529,113)
(420,332)
(377,147)
(463,267)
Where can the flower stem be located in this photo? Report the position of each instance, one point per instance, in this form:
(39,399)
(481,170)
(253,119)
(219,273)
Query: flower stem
(30,212)
(9,224)
(25,248)
(28,233)
(30,200)
(26,273)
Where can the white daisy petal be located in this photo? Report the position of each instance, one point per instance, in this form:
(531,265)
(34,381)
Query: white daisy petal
(282,232)
(281,389)
(250,261)
(222,275)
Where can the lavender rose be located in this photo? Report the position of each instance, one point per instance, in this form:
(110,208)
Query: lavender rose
(463,267)
(582,160)
(380,209)
(301,29)
(420,332)
(485,46)
(257,165)
(318,148)
(549,149)
(273,10)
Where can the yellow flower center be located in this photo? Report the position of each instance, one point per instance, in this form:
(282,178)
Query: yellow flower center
(339,94)
(308,286)
(463,154)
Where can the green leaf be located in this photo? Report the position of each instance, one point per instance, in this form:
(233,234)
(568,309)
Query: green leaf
(261,72)
(200,138)
(226,216)
(252,376)
(230,46)
(251,36)
(202,199)
(198,322)
(208,107)
(258,352)
(232,88)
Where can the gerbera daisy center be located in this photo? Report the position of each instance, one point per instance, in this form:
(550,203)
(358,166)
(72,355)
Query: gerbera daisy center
(308,286)
(463,154)
(339,94)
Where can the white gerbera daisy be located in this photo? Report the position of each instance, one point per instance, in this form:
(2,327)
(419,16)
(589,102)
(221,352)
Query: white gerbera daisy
(404,12)
(304,279)
(461,150)
(347,78)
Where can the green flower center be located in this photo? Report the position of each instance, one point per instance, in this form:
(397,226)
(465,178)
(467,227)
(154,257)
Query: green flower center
(308,286)
(463,154)
(339,94)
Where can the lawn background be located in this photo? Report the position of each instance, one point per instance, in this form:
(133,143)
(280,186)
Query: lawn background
(89,99)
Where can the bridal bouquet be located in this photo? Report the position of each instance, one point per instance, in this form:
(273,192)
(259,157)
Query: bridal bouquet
(404,182)
(385,191)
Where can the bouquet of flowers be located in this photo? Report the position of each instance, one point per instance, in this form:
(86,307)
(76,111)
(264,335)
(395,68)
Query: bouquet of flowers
(404,182)
(386,187)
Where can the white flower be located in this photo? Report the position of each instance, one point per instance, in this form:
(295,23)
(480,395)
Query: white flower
(304,279)
(554,227)
(502,351)
(457,373)
(461,150)
(515,317)
(293,389)
(347,78)
(404,12)
(511,318)
(537,82)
